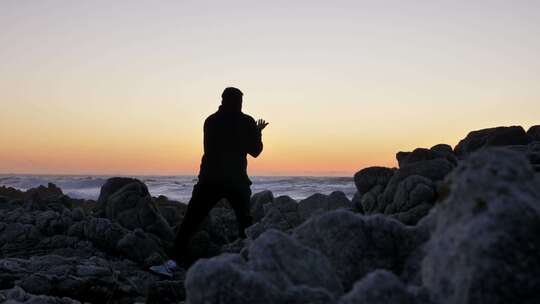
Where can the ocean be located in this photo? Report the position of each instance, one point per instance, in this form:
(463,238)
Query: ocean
(180,187)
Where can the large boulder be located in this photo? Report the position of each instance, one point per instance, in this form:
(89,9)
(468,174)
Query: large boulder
(499,136)
(227,279)
(322,203)
(357,244)
(128,202)
(409,193)
(278,270)
(485,233)
(368,178)
(285,262)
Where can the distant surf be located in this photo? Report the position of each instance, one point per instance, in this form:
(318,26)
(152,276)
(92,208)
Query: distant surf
(180,187)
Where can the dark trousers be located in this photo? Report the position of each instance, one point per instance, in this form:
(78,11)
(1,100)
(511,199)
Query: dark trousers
(203,199)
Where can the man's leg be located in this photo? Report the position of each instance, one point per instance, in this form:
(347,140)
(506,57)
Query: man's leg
(203,198)
(239,198)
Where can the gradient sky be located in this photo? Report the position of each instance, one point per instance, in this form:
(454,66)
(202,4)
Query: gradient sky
(123,87)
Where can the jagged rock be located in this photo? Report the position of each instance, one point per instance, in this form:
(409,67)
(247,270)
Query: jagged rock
(486,233)
(281,214)
(321,202)
(128,202)
(534,132)
(227,279)
(381,287)
(368,178)
(357,245)
(258,200)
(500,136)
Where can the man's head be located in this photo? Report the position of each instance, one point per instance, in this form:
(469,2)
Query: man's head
(231,98)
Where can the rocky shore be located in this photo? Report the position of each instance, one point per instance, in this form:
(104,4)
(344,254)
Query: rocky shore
(450,225)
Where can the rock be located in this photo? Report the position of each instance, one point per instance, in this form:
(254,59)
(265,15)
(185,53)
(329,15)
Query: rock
(50,222)
(114,184)
(284,262)
(422,154)
(368,178)
(86,280)
(138,246)
(534,132)
(102,232)
(227,279)
(435,170)
(486,233)
(500,136)
(381,287)
(172,211)
(278,270)
(443,149)
(321,202)
(222,226)
(357,203)
(281,214)
(258,200)
(11,193)
(128,202)
(18,295)
(356,244)
(41,193)
(413,199)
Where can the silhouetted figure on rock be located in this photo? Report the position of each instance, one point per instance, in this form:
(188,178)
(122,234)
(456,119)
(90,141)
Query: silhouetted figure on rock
(229,135)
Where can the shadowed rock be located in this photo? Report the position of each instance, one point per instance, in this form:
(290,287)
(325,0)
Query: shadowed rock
(534,132)
(356,244)
(368,178)
(281,214)
(486,233)
(318,203)
(278,270)
(258,200)
(500,136)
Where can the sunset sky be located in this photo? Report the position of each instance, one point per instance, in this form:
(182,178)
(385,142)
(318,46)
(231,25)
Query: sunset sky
(123,87)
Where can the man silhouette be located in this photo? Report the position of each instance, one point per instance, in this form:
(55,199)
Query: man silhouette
(229,135)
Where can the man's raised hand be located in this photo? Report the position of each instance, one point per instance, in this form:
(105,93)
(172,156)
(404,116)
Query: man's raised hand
(261,124)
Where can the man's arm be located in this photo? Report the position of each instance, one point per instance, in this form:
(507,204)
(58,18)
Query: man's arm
(254,140)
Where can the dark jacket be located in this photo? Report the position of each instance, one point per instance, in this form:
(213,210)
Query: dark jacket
(229,135)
